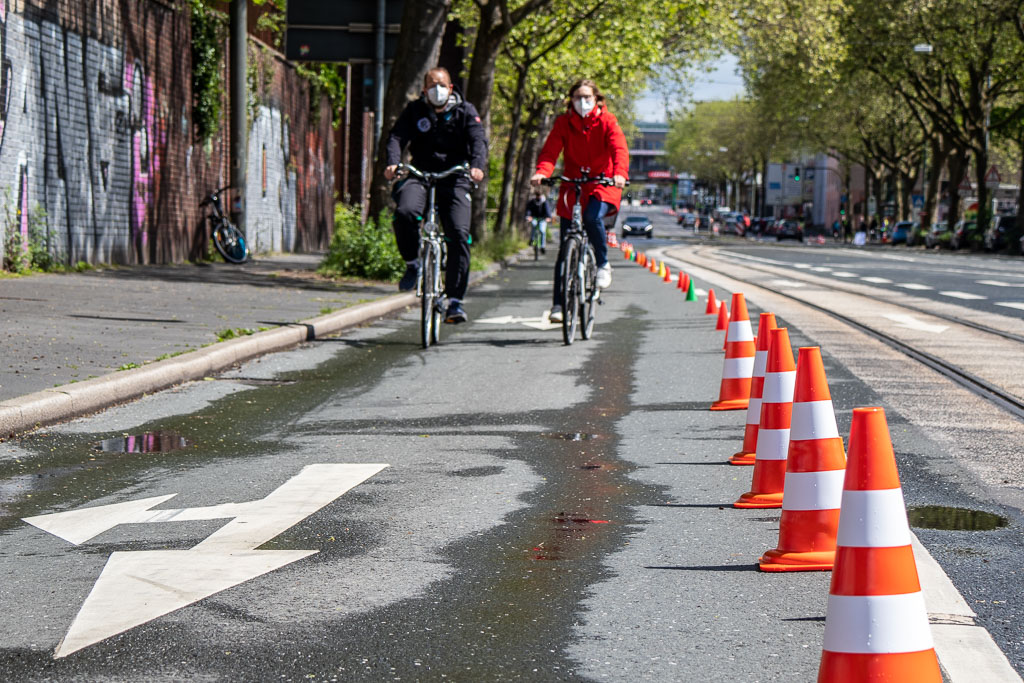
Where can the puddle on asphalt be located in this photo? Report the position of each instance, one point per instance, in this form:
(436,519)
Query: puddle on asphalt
(148,442)
(572,436)
(954,519)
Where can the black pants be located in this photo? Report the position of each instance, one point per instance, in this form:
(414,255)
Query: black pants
(452,199)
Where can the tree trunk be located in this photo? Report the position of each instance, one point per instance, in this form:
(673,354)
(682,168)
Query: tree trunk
(508,168)
(957,166)
(940,153)
(984,195)
(538,123)
(418,46)
(898,190)
(1017,229)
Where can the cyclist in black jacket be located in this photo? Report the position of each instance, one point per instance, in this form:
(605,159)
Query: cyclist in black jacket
(441,130)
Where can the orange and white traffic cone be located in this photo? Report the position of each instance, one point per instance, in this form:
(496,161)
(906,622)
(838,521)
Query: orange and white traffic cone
(712,306)
(773,431)
(876,626)
(734,392)
(815,468)
(723,317)
(746,454)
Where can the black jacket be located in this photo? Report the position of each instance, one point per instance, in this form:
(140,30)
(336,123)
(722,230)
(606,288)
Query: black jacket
(538,208)
(438,141)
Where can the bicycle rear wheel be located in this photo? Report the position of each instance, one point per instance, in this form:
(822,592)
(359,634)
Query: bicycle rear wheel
(440,263)
(230,242)
(428,264)
(570,291)
(589,294)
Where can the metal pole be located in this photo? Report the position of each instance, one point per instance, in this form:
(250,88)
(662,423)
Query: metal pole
(239,128)
(378,62)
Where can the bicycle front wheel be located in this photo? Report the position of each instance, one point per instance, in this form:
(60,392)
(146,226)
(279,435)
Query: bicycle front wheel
(428,264)
(230,242)
(441,263)
(570,291)
(589,294)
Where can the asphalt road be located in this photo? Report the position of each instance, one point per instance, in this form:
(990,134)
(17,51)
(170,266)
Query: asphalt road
(545,512)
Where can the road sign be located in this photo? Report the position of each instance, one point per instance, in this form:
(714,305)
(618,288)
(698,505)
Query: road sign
(136,587)
(339,31)
(992,178)
(965,184)
(872,206)
(917,201)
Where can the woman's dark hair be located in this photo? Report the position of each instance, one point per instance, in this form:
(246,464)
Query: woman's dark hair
(598,97)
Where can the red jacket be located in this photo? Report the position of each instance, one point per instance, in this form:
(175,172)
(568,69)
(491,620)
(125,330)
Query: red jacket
(595,142)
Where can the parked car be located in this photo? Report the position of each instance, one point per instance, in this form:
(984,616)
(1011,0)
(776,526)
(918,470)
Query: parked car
(938,235)
(900,232)
(965,234)
(996,236)
(637,224)
(687,220)
(787,228)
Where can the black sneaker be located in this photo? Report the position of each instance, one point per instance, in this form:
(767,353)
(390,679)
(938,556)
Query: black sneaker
(455,314)
(408,281)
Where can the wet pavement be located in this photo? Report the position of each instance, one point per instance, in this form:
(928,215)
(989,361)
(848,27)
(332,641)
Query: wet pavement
(548,512)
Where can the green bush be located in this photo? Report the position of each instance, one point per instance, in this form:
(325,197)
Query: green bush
(366,251)
(495,248)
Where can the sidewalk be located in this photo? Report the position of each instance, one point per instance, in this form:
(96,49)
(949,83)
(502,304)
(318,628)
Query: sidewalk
(64,330)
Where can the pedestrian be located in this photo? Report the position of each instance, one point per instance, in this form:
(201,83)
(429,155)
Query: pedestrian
(846,230)
(441,130)
(537,209)
(587,136)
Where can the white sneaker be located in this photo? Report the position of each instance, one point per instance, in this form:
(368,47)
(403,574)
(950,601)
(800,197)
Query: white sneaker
(604,276)
(555,315)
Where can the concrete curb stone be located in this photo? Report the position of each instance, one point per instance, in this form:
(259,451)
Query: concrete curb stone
(67,401)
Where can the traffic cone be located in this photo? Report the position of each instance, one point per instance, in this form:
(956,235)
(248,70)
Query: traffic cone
(746,454)
(712,306)
(685,284)
(815,468)
(668,275)
(654,265)
(679,283)
(734,392)
(876,626)
(723,317)
(690,294)
(773,430)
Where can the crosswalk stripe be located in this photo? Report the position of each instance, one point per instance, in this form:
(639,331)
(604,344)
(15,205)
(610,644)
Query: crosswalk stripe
(964,295)
(1011,304)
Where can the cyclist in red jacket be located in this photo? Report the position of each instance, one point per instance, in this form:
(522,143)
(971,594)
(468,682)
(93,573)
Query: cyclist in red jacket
(590,140)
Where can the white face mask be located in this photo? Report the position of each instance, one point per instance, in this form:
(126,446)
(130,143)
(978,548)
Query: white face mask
(583,105)
(438,95)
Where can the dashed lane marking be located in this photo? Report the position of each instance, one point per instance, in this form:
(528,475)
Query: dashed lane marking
(1019,305)
(912,323)
(877,280)
(966,296)
(788,283)
(843,273)
(913,285)
(999,283)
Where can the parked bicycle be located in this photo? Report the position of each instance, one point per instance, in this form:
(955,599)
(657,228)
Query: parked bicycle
(228,239)
(433,255)
(578,266)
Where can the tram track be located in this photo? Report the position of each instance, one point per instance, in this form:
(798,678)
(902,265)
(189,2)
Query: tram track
(992,392)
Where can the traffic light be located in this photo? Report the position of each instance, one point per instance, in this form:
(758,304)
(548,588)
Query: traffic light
(796,174)
(842,209)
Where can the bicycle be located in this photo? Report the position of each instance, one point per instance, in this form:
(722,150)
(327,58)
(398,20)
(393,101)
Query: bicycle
(433,256)
(228,239)
(578,266)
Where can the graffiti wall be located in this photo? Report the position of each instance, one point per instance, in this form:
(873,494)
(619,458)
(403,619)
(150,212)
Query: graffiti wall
(97,154)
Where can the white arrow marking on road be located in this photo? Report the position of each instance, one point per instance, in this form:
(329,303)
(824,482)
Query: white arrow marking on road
(541,323)
(912,323)
(998,283)
(137,587)
(967,296)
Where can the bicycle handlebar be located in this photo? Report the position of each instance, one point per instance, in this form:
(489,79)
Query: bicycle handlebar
(585,180)
(462,169)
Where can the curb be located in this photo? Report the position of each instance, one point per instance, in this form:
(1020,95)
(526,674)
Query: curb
(49,406)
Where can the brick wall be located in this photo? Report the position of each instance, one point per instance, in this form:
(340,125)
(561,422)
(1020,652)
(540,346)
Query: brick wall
(96,139)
